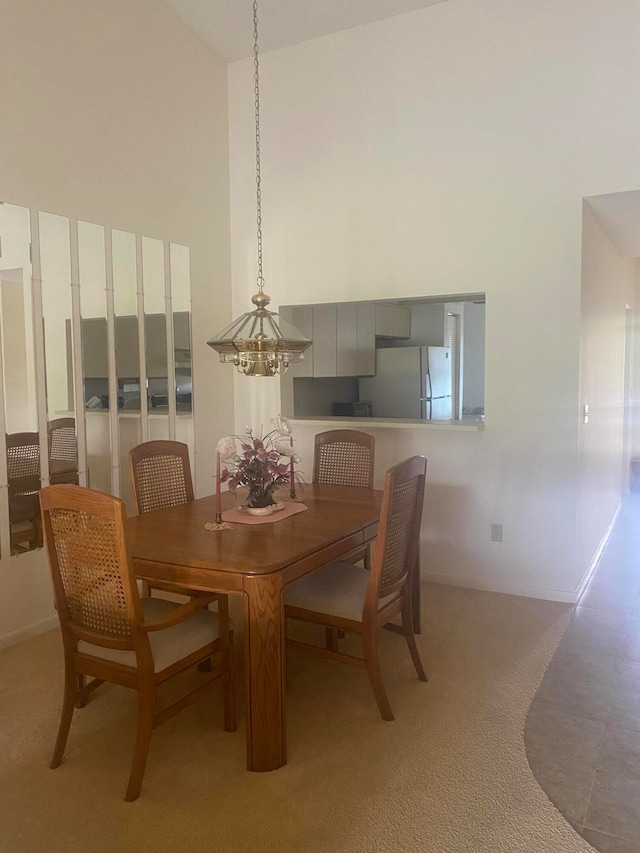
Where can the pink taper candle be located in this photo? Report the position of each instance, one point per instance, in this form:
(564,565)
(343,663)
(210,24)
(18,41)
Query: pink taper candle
(218,496)
(293,481)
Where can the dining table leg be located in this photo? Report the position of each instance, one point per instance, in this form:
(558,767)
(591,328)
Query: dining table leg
(264,653)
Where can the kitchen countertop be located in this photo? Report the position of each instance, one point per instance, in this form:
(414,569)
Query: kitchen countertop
(392,423)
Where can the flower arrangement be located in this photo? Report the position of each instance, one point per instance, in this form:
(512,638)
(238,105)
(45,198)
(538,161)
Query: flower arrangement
(259,463)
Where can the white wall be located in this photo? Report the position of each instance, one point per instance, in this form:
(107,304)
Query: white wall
(116,113)
(448,150)
(608,284)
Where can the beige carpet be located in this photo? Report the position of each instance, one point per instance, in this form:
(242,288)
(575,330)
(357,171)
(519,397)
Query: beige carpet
(450,774)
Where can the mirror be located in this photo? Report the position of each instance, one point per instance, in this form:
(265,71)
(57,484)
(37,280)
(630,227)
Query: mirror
(21,458)
(181,309)
(95,353)
(55,263)
(17,321)
(155,330)
(416,360)
(55,266)
(127,351)
(89,364)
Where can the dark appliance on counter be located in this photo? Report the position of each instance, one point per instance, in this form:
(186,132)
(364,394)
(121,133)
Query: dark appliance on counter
(361,409)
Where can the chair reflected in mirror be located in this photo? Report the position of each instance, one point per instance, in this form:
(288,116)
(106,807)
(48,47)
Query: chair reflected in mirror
(23,473)
(63,451)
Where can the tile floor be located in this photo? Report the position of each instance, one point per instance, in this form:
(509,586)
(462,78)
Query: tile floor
(582,733)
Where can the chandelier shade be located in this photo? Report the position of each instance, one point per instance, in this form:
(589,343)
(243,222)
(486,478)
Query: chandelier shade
(260,342)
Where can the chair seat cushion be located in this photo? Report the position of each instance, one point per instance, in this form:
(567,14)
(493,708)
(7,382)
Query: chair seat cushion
(337,589)
(169,645)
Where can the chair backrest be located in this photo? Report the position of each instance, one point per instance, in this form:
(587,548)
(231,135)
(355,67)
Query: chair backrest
(395,554)
(344,457)
(94,587)
(160,475)
(63,442)
(23,462)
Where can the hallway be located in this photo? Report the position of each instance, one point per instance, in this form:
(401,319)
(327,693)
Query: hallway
(583,729)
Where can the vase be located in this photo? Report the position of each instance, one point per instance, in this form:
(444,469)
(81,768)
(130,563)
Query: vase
(260,499)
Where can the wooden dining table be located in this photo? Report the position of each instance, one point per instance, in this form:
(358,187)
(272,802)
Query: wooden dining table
(256,560)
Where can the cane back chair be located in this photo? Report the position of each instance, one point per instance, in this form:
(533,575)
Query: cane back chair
(109,633)
(63,451)
(23,474)
(160,475)
(344,457)
(346,597)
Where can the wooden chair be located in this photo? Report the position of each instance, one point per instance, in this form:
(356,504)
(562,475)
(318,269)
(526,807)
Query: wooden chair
(346,597)
(160,475)
(109,633)
(23,474)
(63,451)
(344,457)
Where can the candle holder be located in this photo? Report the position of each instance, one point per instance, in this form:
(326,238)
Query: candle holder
(218,524)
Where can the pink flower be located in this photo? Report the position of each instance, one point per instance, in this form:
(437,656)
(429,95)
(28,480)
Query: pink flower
(281,425)
(227,447)
(262,463)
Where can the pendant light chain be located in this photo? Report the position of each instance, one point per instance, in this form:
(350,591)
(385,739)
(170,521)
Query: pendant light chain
(256,78)
(259,343)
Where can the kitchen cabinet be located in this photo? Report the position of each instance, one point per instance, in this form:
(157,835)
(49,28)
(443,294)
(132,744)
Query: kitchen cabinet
(365,339)
(182,331)
(301,316)
(95,360)
(94,345)
(127,353)
(155,328)
(343,339)
(392,321)
(343,335)
(325,335)
(346,340)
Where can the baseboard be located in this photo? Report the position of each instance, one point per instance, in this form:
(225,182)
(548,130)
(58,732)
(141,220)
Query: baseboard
(29,631)
(511,589)
(598,553)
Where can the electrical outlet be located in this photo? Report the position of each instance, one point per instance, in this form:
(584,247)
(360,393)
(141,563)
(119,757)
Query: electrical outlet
(496,532)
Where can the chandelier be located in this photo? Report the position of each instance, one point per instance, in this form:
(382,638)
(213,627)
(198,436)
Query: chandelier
(260,342)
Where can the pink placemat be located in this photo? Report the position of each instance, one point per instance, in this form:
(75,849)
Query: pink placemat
(239,516)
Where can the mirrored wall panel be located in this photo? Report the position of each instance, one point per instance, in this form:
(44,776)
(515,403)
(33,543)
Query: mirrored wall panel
(19,420)
(129,378)
(181,303)
(90,364)
(55,270)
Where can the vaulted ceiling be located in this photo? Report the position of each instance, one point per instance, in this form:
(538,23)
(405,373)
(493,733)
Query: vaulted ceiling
(227,25)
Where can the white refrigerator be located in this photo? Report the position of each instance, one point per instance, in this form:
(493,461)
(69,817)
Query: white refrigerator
(411,382)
